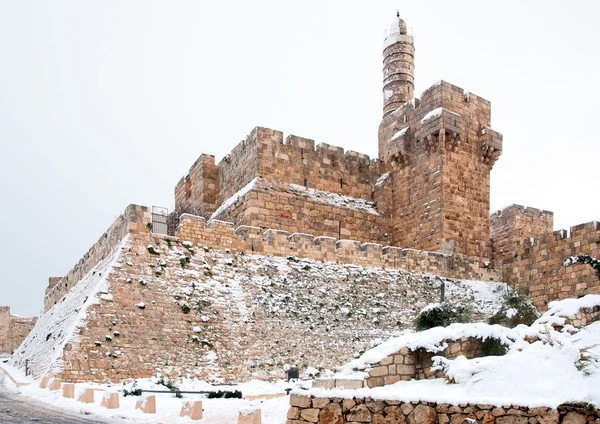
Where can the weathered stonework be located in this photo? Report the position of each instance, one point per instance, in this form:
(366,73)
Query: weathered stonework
(407,365)
(13,330)
(536,262)
(336,410)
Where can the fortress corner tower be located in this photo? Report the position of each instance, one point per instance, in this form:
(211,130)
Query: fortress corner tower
(441,149)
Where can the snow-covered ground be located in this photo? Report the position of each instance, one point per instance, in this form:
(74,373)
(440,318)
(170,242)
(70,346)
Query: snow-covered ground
(216,411)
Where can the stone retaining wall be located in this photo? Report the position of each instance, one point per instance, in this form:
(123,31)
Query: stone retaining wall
(409,364)
(331,410)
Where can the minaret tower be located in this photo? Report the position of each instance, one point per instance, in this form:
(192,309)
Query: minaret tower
(398,66)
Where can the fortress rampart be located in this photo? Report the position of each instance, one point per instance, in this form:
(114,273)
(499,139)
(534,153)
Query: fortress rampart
(135,218)
(511,225)
(538,264)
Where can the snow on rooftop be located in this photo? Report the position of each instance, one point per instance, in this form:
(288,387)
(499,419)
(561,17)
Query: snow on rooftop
(436,112)
(233,199)
(335,199)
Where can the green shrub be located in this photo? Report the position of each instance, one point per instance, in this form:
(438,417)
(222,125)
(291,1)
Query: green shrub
(517,309)
(493,347)
(442,315)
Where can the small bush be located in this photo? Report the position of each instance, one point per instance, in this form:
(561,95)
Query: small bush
(442,315)
(493,347)
(517,309)
(152,250)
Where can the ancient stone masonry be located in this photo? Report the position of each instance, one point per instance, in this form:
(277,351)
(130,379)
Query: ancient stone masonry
(538,264)
(216,310)
(429,189)
(379,410)
(511,225)
(133,219)
(13,330)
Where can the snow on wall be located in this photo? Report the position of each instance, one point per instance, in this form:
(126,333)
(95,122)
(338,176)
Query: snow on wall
(54,329)
(233,199)
(336,199)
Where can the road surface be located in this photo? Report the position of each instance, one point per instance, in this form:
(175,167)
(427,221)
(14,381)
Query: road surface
(16,409)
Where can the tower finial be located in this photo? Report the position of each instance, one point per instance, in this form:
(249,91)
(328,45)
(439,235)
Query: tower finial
(397,13)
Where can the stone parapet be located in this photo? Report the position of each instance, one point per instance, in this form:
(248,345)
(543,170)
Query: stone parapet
(272,242)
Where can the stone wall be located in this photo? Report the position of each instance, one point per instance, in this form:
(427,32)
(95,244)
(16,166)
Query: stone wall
(511,225)
(406,364)
(336,410)
(135,218)
(212,309)
(248,239)
(539,265)
(295,209)
(442,149)
(13,330)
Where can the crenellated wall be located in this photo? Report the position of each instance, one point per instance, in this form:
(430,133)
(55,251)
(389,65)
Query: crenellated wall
(539,264)
(273,242)
(512,224)
(133,219)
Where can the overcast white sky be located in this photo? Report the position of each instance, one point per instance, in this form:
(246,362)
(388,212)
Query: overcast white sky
(108,103)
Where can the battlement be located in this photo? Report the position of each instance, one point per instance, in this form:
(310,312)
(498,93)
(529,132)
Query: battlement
(538,262)
(266,154)
(509,226)
(217,234)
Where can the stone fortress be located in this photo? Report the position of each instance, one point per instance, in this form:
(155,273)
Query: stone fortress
(235,285)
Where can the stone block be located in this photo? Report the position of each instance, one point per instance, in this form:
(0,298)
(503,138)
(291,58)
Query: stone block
(300,401)
(147,404)
(44,382)
(324,383)
(68,390)
(349,384)
(54,384)
(110,400)
(86,396)
(253,417)
(192,410)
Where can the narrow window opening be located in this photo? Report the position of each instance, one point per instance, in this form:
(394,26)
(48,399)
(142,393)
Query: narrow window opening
(305,182)
(339,230)
(341,183)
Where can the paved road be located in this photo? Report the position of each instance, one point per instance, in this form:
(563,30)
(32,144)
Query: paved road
(15,409)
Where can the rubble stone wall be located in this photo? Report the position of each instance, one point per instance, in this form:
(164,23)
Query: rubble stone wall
(228,316)
(539,265)
(135,218)
(332,410)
